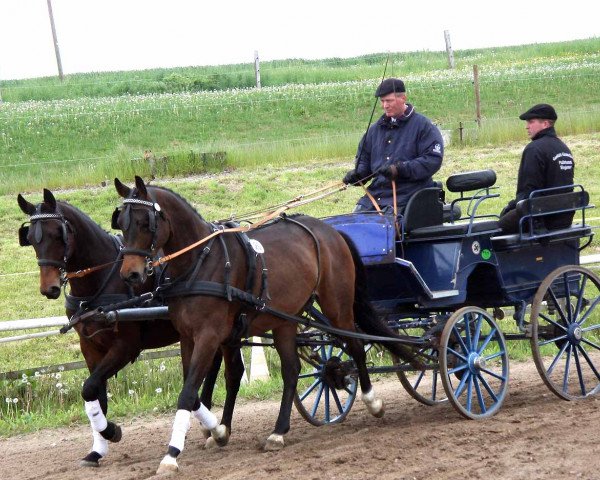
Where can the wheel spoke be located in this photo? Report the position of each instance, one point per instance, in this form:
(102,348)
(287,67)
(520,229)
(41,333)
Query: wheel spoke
(556,324)
(580,298)
(460,341)
(567,370)
(494,374)
(488,387)
(477,331)
(461,386)
(480,397)
(589,311)
(309,390)
(556,359)
(336,399)
(317,400)
(552,340)
(462,357)
(469,405)
(579,372)
(568,298)
(557,306)
(590,343)
(589,361)
(327,406)
(468,332)
(486,341)
(458,369)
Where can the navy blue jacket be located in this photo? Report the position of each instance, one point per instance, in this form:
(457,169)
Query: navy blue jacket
(412,143)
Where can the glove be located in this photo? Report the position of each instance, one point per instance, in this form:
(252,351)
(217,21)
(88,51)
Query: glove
(351,177)
(389,171)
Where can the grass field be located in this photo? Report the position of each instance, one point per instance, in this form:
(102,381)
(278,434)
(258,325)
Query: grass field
(293,136)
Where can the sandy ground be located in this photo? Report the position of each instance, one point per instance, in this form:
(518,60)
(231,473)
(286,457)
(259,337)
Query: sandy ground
(534,436)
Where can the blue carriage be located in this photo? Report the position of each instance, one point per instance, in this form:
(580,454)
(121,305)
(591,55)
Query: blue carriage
(446,281)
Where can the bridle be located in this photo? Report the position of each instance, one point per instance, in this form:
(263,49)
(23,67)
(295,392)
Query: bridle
(154,212)
(35,222)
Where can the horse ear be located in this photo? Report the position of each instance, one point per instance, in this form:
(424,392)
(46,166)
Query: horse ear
(141,186)
(26,207)
(123,190)
(49,199)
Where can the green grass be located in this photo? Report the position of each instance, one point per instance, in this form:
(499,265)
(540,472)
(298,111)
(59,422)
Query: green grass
(76,141)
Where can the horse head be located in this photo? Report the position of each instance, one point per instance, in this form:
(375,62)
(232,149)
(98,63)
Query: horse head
(51,236)
(145,228)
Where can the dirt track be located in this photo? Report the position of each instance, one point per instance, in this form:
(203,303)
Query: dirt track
(534,436)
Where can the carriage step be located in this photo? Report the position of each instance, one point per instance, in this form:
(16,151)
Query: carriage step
(444,294)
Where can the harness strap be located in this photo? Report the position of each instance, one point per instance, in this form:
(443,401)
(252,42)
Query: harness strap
(317,246)
(373,201)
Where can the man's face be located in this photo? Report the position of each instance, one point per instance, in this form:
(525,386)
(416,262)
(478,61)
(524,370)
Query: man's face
(534,125)
(393,104)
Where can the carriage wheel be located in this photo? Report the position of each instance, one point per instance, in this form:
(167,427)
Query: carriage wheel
(565,332)
(425,386)
(474,363)
(327,384)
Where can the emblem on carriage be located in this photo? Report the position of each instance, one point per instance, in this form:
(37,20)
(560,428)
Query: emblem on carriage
(476,248)
(257,246)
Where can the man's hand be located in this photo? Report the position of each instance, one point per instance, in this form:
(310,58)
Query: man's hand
(389,171)
(351,177)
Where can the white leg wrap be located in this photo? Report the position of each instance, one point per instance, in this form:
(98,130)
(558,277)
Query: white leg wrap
(206,417)
(368,397)
(100,445)
(96,416)
(181,425)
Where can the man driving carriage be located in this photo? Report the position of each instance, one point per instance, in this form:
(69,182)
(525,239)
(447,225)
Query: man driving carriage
(403,147)
(546,162)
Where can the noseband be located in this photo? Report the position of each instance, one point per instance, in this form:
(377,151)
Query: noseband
(36,223)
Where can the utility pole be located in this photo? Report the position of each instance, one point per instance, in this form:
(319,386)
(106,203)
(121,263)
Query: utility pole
(56,50)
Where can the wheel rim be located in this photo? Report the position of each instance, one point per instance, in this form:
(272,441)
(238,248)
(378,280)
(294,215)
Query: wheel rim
(565,332)
(474,363)
(316,398)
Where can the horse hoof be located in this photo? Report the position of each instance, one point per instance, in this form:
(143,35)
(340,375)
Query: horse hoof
(205,432)
(274,443)
(220,435)
(117,436)
(90,460)
(168,466)
(210,443)
(377,408)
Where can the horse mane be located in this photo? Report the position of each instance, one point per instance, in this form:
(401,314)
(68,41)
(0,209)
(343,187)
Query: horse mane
(183,200)
(62,204)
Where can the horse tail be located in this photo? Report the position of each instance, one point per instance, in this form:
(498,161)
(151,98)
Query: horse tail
(365,316)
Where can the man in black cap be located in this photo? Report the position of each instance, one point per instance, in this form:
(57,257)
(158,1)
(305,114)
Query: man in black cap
(403,146)
(546,162)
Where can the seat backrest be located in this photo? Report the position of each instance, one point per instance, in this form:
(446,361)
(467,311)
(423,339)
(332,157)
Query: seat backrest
(424,209)
(555,211)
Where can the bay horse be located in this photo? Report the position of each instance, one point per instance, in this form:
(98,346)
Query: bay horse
(307,260)
(66,239)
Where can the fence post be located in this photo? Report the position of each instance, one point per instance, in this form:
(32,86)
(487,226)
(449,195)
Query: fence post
(258,363)
(477,95)
(256,68)
(449,49)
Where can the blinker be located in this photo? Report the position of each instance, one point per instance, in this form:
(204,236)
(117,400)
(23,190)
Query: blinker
(23,232)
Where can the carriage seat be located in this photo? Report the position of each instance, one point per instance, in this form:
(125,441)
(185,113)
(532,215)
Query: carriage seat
(548,219)
(469,181)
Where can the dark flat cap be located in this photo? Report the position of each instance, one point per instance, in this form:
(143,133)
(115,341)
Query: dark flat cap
(541,110)
(390,85)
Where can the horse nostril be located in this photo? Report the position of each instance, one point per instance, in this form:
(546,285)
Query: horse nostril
(52,293)
(134,278)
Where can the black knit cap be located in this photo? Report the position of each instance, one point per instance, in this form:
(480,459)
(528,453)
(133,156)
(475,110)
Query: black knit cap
(541,110)
(390,85)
